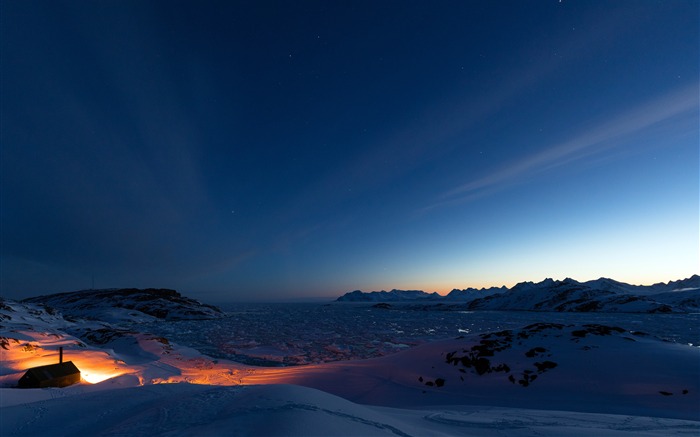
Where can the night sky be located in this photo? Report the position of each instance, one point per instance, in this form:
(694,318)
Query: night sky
(276,150)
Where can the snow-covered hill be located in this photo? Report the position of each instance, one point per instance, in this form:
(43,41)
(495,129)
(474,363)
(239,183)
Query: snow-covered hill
(602,295)
(128,305)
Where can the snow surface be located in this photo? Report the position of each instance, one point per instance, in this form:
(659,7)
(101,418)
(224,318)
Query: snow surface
(556,379)
(289,410)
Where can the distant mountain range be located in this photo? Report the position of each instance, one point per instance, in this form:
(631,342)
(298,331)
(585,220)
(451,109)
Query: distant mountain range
(455,295)
(601,295)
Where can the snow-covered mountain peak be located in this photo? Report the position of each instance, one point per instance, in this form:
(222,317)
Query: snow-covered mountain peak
(608,285)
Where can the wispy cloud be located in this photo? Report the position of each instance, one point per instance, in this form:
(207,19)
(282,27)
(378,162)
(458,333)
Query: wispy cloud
(595,140)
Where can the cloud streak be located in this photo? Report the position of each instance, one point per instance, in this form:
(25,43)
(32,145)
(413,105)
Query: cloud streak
(603,137)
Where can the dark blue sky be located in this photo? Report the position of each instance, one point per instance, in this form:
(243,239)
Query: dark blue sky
(271,150)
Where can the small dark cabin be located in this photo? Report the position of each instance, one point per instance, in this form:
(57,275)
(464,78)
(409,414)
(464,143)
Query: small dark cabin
(52,375)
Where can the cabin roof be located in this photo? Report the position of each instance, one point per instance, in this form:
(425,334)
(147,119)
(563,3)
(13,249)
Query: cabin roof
(51,371)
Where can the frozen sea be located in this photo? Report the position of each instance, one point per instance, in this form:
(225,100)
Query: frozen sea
(303,333)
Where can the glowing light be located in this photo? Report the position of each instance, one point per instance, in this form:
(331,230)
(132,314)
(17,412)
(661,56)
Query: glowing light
(95,377)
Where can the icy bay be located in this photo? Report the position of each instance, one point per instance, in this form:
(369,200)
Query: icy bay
(304,333)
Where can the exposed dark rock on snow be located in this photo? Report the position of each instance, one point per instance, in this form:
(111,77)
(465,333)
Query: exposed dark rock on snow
(475,357)
(502,352)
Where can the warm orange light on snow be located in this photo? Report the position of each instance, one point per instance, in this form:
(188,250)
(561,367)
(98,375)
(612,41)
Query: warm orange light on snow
(97,366)
(95,377)
(37,349)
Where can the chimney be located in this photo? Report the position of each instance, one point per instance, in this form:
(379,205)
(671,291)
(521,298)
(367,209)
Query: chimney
(60,355)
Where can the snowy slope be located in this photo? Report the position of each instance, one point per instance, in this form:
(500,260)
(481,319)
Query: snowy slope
(31,315)
(288,410)
(686,298)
